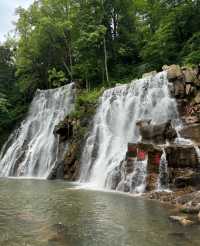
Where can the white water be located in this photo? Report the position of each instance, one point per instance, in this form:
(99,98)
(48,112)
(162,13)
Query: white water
(163,179)
(184,141)
(115,124)
(32,150)
(138,177)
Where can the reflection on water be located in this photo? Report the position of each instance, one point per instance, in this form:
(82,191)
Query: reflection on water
(44,213)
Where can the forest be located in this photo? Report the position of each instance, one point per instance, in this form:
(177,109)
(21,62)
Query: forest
(97,42)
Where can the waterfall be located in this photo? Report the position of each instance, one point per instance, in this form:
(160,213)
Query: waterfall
(119,110)
(163,179)
(138,177)
(184,141)
(197,149)
(32,149)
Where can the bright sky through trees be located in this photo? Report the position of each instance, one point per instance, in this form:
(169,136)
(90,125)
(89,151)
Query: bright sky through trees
(7,14)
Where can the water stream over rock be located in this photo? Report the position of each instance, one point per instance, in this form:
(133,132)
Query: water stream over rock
(115,125)
(32,150)
(163,180)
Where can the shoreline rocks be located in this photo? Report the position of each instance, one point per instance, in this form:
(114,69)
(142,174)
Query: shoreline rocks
(183,220)
(186,204)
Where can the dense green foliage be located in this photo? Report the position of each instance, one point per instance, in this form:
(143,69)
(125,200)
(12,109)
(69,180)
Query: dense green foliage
(98,42)
(85,106)
(12,105)
(86,102)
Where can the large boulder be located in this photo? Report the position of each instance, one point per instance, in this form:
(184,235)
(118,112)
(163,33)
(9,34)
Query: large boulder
(197,98)
(179,89)
(191,120)
(189,203)
(189,74)
(174,72)
(158,134)
(191,131)
(183,199)
(71,162)
(182,104)
(188,179)
(183,220)
(65,129)
(190,208)
(181,156)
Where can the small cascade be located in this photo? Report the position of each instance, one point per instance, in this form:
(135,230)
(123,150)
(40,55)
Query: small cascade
(163,179)
(130,176)
(138,178)
(115,125)
(32,150)
(197,149)
(184,141)
(180,140)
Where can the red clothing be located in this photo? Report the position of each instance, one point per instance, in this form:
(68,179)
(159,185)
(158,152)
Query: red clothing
(141,155)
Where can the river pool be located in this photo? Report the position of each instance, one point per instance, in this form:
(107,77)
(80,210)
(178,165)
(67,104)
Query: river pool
(56,213)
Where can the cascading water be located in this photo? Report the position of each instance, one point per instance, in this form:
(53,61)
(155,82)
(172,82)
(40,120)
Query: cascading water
(115,124)
(163,179)
(138,177)
(197,149)
(32,150)
(184,141)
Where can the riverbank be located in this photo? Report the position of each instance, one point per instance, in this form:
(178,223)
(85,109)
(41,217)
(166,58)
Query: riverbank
(185,204)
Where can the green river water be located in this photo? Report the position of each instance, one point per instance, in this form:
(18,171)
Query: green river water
(47,213)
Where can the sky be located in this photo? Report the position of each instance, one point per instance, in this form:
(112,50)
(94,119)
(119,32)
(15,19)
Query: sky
(7,14)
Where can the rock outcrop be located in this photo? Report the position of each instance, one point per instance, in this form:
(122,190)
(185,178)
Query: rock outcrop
(182,156)
(182,159)
(72,131)
(157,134)
(183,164)
(185,87)
(66,128)
(183,220)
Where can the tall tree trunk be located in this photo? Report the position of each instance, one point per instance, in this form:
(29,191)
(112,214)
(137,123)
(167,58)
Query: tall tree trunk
(70,59)
(105,52)
(69,42)
(87,84)
(106,60)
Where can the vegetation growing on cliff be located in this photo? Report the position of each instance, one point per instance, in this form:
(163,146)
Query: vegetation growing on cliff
(98,42)
(86,102)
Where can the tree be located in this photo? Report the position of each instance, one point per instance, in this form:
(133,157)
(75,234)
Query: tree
(175,29)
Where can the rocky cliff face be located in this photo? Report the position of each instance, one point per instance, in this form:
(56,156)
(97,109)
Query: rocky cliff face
(181,174)
(184,85)
(183,159)
(69,167)
(72,131)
